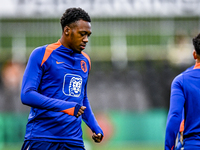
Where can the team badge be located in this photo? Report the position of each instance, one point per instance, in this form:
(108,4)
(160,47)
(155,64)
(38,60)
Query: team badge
(83,66)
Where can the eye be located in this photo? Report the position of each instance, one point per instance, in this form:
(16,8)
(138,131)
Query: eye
(82,33)
(89,35)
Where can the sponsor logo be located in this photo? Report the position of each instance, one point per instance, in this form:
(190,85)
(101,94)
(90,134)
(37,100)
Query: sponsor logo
(72,85)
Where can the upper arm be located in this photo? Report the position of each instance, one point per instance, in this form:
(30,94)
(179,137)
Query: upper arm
(177,101)
(177,98)
(33,71)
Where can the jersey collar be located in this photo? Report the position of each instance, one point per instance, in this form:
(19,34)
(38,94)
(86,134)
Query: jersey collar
(197,66)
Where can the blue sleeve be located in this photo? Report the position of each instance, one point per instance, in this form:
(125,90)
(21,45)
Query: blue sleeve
(89,118)
(174,118)
(30,83)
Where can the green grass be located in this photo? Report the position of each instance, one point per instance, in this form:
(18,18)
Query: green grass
(11,146)
(129,147)
(125,146)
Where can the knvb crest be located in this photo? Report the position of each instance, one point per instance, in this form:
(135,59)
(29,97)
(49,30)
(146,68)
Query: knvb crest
(83,66)
(72,85)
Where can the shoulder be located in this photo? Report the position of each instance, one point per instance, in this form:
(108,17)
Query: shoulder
(179,79)
(184,73)
(48,48)
(37,55)
(189,69)
(86,56)
(38,51)
(45,51)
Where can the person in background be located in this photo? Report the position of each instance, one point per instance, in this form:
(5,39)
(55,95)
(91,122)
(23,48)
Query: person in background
(11,76)
(55,87)
(185,96)
(181,44)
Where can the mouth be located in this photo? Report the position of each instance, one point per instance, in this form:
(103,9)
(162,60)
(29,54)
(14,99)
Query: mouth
(83,46)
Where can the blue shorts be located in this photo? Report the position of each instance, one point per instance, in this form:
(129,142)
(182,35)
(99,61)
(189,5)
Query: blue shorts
(41,145)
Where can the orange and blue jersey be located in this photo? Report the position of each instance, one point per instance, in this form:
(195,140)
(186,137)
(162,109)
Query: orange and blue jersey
(185,95)
(55,86)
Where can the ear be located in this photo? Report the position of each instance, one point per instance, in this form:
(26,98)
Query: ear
(67,30)
(194,54)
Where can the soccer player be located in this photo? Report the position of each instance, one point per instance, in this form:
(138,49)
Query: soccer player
(185,95)
(55,87)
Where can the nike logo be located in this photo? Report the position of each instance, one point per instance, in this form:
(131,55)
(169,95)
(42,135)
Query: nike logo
(57,62)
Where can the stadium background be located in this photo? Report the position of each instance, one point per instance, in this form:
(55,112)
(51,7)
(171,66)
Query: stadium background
(137,47)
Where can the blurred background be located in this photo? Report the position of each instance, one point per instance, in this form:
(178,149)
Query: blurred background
(137,47)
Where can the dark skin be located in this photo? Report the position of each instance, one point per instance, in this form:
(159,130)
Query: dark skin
(196,56)
(75,37)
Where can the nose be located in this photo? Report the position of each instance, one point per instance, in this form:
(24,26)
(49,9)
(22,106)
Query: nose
(85,39)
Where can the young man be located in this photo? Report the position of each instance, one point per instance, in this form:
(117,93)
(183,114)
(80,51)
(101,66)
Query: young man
(55,86)
(185,95)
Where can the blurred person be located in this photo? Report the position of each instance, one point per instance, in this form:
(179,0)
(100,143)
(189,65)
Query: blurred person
(185,96)
(55,86)
(11,75)
(180,45)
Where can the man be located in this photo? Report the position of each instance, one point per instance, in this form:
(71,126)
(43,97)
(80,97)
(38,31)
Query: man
(185,95)
(55,86)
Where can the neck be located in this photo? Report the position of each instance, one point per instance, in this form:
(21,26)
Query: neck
(197,61)
(62,41)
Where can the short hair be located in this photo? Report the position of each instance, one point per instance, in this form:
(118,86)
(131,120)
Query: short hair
(196,43)
(72,15)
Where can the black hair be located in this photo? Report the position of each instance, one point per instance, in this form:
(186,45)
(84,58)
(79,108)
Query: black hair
(72,15)
(196,43)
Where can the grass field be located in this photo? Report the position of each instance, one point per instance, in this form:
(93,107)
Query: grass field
(129,146)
